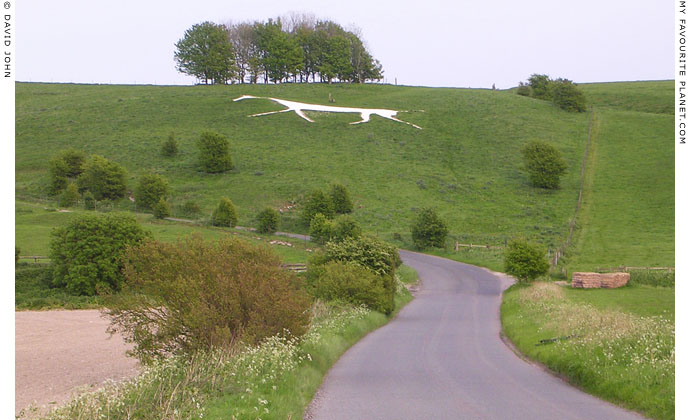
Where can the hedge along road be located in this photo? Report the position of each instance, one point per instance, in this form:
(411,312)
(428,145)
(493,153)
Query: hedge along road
(443,358)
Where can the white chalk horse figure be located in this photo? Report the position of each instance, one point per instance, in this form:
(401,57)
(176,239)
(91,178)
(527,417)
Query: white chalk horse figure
(300,107)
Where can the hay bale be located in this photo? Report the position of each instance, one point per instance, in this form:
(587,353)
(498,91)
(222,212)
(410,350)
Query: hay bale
(597,280)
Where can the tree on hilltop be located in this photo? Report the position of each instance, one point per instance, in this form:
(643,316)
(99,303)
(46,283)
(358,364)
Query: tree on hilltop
(206,53)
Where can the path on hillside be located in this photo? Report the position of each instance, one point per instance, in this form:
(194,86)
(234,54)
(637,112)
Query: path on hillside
(442,358)
(60,352)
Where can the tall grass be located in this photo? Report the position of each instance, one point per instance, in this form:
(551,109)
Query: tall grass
(619,356)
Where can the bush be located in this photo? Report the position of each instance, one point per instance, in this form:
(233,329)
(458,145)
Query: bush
(150,189)
(195,295)
(66,164)
(106,180)
(346,227)
(566,95)
(541,86)
(161,209)
(321,229)
(525,261)
(70,196)
(214,154)
(340,197)
(89,201)
(169,147)
(190,208)
(429,230)
(544,164)
(348,282)
(268,220)
(58,178)
(16,255)
(317,202)
(225,214)
(86,253)
(366,251)
(523,90)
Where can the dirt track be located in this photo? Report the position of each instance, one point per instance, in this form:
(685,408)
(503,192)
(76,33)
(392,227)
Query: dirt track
(58,352)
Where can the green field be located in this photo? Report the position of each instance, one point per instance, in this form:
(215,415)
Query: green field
(627,218)
(465,162)
(34,222)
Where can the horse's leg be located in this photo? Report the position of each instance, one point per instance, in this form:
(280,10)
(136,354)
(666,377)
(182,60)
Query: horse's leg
(269,113)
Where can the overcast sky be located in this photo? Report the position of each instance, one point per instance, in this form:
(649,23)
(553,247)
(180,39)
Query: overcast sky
(457,43)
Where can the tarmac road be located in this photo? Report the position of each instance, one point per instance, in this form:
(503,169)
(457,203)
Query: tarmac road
(443,358)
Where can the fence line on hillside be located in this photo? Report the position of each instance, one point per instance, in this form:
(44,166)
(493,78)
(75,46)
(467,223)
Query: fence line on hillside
(573,222)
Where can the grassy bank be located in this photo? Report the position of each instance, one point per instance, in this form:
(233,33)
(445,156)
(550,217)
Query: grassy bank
(275,380)
(616,344)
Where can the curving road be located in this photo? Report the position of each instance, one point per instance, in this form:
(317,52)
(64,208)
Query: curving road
(442,358)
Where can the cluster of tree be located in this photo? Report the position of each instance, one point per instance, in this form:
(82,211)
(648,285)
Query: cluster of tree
(96,178)
(359,270)
(562,92)
(298,49)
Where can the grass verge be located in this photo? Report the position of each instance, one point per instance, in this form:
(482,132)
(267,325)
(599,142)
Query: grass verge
(275,380)
(625,355)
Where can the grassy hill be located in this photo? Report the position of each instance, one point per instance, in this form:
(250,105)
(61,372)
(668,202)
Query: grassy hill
(465,162)
(628,210)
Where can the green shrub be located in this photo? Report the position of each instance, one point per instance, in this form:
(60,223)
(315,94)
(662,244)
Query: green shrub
(321,229)
(74,159)
(161,209)
(106,180)
(541,86)
(150,189)
(224,214)
(70,196)
(194,295)
(57,169)
(169,147)
(525,261)
(340,197)
(346,227)
(348,282)
(66,164)
(89,201)
(214,153)
(16,255)
(268,220)
(86,253)
(190,208)
(317,202)
(367,251)
(566,95)
(429,230)
(523,90)
(544,164)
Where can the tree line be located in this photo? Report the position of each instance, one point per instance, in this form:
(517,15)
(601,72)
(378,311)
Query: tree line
(299,49)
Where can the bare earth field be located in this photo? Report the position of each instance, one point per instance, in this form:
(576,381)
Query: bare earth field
(60,352)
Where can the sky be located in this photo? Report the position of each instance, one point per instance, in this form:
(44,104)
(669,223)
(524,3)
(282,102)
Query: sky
(461,43)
